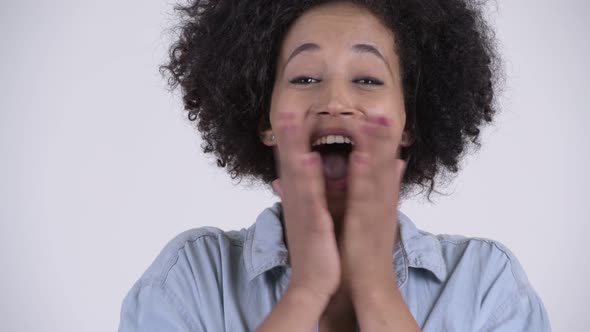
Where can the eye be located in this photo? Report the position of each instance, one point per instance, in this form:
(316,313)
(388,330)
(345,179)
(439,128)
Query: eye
(369,81)
(304,80)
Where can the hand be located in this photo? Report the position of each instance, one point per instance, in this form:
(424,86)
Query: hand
(370,228)
(312,247)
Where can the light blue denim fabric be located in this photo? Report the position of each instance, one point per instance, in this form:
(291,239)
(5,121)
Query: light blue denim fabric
(206,279)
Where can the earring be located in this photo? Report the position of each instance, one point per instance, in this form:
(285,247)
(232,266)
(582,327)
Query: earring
(272,137)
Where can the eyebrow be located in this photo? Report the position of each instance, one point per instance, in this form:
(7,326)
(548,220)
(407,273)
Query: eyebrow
(357,48)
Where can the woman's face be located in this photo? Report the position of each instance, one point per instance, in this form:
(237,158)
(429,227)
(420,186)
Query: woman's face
(337,64)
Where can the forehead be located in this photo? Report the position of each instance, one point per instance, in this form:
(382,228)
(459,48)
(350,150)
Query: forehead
(338,25)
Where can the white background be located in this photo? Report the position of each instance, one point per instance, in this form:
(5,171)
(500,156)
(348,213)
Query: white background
(99,168)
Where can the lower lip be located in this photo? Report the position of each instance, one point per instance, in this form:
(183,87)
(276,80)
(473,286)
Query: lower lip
(338,185)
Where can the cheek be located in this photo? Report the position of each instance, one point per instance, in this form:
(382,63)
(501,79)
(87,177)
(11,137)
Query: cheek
(393,109)
(397,110)
(283,101)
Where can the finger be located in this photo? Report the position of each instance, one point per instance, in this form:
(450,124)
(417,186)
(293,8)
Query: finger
(301,176)
(377,137)
(372,168)
(276,186)
(402,167)
(291,134)
(359,171)
(400,170)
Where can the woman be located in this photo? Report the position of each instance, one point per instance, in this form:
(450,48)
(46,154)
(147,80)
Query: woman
(343,107)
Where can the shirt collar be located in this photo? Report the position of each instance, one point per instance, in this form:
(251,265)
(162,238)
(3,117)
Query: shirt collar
(264,247)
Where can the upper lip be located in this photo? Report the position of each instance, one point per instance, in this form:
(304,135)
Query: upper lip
(331,131)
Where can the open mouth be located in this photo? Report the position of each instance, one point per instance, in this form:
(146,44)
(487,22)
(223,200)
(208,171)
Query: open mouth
(335,151)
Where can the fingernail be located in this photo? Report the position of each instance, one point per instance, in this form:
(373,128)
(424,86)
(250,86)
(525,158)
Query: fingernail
(312,159)
(359,158)
(382,121)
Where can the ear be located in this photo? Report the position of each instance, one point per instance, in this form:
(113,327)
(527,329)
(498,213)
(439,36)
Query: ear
(267,137)
(408,138)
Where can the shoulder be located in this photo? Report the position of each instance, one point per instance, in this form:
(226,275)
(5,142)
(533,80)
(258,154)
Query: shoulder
(167,296)
(481,256)
(185,274)
(489,276)
(484,255)
(195,245)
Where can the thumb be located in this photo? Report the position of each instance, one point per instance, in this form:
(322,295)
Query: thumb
(402,166)
(276,185)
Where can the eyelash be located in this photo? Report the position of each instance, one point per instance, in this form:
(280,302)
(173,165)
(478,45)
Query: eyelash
(297,80)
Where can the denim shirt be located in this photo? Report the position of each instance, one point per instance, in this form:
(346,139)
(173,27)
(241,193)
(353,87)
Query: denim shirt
(207,279)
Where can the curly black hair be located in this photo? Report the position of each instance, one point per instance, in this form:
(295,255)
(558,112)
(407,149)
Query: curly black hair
(225,60)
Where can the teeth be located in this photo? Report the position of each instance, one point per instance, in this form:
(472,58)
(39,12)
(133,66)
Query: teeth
(332,139)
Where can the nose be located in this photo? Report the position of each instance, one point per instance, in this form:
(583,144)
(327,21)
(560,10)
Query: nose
(335,111)
(335,107)
(335,103)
